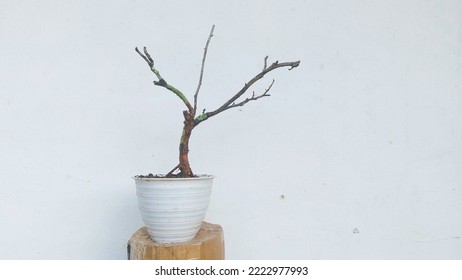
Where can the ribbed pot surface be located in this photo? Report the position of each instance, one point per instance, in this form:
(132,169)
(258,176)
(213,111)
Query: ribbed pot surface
(173,208)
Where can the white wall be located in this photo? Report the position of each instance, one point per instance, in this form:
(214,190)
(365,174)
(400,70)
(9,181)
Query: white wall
(366,134)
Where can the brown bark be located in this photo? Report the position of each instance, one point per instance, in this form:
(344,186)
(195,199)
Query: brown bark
(188,126)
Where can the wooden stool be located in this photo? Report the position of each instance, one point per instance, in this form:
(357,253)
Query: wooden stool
(207,245)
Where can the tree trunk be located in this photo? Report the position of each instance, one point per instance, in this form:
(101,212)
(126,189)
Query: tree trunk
(188,126)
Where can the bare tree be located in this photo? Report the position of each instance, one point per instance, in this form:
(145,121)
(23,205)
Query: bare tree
(191,118)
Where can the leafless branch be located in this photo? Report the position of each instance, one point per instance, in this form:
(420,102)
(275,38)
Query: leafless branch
(202,67)
(162,82)
(231,103)
(242,103)
(149,61)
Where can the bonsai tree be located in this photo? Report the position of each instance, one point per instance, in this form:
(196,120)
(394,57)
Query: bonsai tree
(191,118)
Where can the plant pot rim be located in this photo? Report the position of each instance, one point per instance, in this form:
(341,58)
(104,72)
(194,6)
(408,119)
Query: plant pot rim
(161,178)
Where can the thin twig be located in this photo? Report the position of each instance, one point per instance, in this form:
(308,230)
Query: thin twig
(148,55)
(242,103)
(266,63)
(202,67)
(231,103)
(150,63)
(259,76)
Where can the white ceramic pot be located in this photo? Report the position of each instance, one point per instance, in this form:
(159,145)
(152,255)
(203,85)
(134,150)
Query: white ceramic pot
(173,209)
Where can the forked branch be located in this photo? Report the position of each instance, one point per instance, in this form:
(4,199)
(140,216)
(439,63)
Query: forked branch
(161,81)
(231,103)
(242,103)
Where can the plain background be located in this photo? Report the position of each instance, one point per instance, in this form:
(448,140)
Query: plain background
(356,154)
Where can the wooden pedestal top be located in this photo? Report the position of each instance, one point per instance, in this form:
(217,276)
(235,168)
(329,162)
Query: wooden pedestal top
(207,245)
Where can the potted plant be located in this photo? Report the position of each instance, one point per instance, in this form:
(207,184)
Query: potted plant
(173,205)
